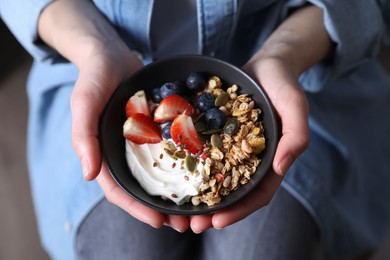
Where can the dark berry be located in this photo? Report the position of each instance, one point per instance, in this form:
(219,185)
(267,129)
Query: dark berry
(166,131)
(156,97)
(215,118)
(182,87)
(196,80)
(205,101)
(168,89)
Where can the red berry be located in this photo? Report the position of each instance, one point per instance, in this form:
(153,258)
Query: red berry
(137,104)
(204,155)
(172,106)
(219,177)
(183,132)
(141,129)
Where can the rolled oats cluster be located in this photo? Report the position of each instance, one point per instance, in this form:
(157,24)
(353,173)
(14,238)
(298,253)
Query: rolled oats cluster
(230,154)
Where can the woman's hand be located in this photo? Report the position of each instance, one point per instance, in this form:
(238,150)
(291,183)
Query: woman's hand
(79,32)
(299,42)
(282,87)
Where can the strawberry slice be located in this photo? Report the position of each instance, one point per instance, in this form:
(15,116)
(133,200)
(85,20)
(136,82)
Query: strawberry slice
(137,104)
(172,106)
(183,132)
(141,129)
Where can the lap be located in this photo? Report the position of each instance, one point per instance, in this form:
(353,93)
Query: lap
(282,230)
(111,233)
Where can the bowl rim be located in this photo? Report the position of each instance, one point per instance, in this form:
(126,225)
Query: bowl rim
(198,210)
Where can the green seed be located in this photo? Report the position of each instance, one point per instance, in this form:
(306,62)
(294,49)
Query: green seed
(200,126)
(222,99)
(216,141)
(190,163)
(212,131)
(199,117)
(231,126)
(170,153)
(165,144)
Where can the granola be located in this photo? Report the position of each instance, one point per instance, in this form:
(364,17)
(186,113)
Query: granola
(232,152)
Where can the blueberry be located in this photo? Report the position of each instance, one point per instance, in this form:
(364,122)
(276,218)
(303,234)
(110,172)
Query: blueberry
(205,101)
(156,97)
(168,89)
(215,118)
(196,80)
(166,131)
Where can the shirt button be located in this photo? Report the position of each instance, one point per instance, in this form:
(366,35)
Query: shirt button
(212,54)
(68,226)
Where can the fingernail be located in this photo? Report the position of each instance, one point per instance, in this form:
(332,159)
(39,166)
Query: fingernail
(174,228)
(154,226)
(85,169)
(197,231)
(178,230)
(285,165)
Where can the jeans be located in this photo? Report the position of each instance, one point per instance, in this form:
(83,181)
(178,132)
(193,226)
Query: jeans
(281,230)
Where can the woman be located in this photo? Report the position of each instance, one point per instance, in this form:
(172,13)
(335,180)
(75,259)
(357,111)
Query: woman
(318,54)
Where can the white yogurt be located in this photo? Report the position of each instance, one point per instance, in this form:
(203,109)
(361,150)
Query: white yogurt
(162,176)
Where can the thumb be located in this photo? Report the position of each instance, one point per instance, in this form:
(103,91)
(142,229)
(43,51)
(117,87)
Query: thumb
(91,93)
(290,103)
(87,103)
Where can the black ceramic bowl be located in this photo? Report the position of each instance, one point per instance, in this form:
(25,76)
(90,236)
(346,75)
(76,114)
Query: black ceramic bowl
(154,75)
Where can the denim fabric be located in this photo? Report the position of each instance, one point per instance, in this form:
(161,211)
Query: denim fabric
(342,179)
(61,197)
(21,17)
(266,234)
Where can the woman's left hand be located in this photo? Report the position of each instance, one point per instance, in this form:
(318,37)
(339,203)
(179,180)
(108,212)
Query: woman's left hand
(298,43)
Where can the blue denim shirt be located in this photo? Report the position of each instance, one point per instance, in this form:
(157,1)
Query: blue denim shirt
(342,178)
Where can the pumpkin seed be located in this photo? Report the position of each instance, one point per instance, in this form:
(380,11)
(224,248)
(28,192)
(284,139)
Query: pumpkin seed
(212,131)
(200,126)
(231,126)
(216,141)
(222,99)
(168,145)
(199,117)
(190,163)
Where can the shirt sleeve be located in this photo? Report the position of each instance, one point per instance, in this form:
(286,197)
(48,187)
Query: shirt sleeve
(357,29)
(21,17)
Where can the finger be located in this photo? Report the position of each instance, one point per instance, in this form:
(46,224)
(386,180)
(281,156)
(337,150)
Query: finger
(178,223)
(87,103)
(293,112)
(201,223)
(258,198)
(92,91)
(290,104)
(117,196)
(99,77)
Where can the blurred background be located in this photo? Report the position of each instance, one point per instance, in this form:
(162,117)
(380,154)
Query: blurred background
(18,232)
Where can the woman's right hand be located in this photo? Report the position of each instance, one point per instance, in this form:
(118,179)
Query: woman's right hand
(80,33)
